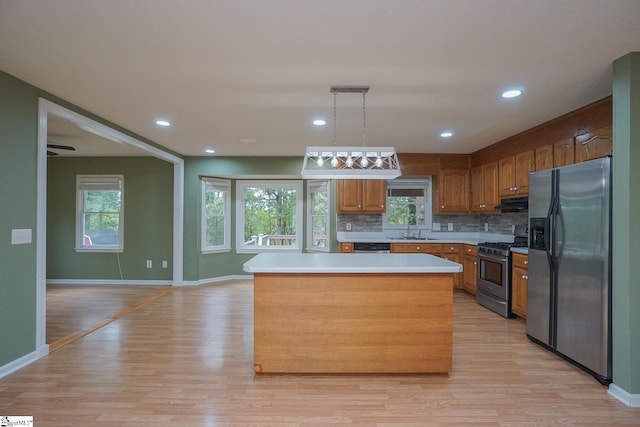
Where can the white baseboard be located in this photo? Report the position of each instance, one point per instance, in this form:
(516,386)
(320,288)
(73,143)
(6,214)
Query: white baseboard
(23,361)
(629,399)
(217,279)
(100,282)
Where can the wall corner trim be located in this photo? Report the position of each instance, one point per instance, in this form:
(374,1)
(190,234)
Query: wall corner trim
(630,399)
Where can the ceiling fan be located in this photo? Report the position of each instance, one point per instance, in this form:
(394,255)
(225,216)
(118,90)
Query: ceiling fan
(58,147)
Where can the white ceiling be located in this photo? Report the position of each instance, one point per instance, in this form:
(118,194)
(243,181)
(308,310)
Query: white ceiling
(225,70)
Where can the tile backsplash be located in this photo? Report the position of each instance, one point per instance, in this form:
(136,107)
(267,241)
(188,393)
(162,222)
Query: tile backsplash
(496,223)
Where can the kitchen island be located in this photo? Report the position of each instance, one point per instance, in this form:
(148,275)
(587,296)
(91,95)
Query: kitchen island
(352,313)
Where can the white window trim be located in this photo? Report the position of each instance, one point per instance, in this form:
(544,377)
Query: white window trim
(428,209)
(240,187)
(80,180)
(312,185)
(220,185)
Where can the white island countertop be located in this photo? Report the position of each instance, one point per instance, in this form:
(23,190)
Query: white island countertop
(349,263)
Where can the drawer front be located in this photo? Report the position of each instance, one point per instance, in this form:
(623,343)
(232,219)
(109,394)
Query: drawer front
(470,250)
(520,260)
(426,248)
(450,248)
(346,247)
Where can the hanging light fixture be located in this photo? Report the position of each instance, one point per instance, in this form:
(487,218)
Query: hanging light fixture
(350,162)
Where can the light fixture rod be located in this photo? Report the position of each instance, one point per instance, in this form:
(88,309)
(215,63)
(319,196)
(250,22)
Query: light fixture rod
(349,89)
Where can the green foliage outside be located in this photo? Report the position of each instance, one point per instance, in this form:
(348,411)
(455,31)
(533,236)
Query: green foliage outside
(270,211)
(405,211)
(215,212)
(102,216)
(319,218)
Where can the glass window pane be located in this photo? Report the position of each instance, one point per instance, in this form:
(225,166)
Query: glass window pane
(102,228)
(101,201)
(269,216)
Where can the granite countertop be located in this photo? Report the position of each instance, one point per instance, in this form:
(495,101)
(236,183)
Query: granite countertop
(348,263)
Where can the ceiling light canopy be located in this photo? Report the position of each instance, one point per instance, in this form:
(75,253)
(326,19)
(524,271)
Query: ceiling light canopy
(350,162)
(162,122)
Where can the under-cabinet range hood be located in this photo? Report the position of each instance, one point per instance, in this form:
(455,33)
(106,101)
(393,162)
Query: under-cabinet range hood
(514,204)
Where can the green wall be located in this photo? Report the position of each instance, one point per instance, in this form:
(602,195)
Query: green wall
(148,219)
(199,266)
(18,152)
(626,227)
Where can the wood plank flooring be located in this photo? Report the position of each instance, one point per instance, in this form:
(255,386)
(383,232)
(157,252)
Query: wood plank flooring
(186,359)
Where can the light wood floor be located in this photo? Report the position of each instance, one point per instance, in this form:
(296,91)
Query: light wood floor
(185,359)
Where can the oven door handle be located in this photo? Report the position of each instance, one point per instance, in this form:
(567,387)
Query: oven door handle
(492,257)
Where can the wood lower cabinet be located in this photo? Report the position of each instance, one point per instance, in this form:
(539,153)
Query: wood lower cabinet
(453,190)
(453,252)
(346,247)
(421,248)
(361,195)
(514,173)
(484,188)
(449,251)
(594,145)
(519,284)
(470,268)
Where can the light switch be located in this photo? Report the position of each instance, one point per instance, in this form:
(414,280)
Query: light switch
(20,236)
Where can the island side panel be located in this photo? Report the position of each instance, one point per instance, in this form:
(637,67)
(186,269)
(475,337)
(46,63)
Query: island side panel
(353,323)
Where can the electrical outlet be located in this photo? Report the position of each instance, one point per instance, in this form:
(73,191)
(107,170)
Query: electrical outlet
(436,226)
(348,226)
(149,263)
(164,263)
(486,226)
(450,226)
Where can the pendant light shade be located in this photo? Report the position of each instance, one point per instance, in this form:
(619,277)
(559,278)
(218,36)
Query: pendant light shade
(350,162)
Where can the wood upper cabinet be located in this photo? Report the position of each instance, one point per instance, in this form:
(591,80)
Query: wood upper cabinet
(361,195)
(594,145)
(484,188)
(470,268)
(563,153)
(453,190)
(514,173)
(519,284)
(544,157)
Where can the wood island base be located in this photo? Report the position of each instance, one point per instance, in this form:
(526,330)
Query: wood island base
(353,322)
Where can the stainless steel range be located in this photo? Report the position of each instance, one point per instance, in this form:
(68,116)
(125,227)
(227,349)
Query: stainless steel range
(494,273)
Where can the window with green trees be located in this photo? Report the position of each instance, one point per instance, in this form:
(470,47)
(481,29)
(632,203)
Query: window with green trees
(318,215)
(99,219)
(408,205)
(269,216)
(216,211)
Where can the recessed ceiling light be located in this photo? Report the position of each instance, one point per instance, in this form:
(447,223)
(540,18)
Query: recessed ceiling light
(162,122)
(446,134)
(319,122)
(209,151)
(248,140)
(512,93)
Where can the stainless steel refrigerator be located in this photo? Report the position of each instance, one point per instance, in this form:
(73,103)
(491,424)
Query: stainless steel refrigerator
(569,286)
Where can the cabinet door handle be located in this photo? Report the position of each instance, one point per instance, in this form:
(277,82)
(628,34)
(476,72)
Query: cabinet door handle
(359,206)
(526,262)
(525,277)
(442,207)
(475,262)
(417,248)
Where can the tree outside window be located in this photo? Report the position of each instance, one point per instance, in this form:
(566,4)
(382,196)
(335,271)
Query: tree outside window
(216,202)
(318,215)
(269,216)
(99,220)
